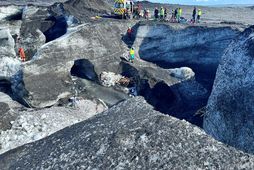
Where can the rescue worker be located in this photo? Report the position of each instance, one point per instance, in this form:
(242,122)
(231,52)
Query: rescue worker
(129,32)
(22,54)
(156,13)
(135,12)
(176,14)
(128,13)
(180,12)
(127,6)
(162,13)
(144,13)
(132,55)
(172,16)
(139,10)
(147,14)
(165,13)
(194,15)
(199,15)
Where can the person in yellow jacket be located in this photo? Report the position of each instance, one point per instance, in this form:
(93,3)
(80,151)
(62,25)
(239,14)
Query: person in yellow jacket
(132,55)
(199,15)
(179,14)
(162,13)
(180,10)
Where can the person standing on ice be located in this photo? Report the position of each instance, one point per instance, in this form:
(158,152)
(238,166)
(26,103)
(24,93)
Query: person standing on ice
(129,32)
(162,13)
(172,16)
(165,13)
(156,13)
(176,14)
(22,54)
(132,55)
(180,11)
(194,15)
(199,15)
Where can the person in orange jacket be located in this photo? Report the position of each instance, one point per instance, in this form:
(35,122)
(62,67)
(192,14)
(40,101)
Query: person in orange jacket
(22,54)
(129,32)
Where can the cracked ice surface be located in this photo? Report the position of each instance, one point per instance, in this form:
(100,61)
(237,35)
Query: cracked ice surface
(34,125)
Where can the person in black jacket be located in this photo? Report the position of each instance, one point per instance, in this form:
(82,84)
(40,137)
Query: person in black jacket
(176,13)
(156,13)
(194,15)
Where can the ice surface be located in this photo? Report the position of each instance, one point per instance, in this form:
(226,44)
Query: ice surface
(9,67)
(34,125)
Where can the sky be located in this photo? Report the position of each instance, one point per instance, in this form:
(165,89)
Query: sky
(205,2)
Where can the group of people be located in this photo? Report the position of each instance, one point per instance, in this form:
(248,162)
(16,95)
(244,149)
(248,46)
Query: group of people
(194,14)
(146,13)
(133,11)
(176,14)
(132,52)
(162,14)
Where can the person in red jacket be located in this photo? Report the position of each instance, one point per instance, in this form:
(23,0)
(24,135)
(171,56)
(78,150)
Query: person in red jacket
(129,32)
(22,54)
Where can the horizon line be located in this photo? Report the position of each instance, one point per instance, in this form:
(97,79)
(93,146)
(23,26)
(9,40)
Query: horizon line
(203,4)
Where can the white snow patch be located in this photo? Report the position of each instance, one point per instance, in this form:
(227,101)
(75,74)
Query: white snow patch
(70,20)
(8,10)
(4,98)
(29,11)
(144,138)
(154,158)
(34,125)
(7,43)
(63,41)
(9,67)
(182,73)
(101,150)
